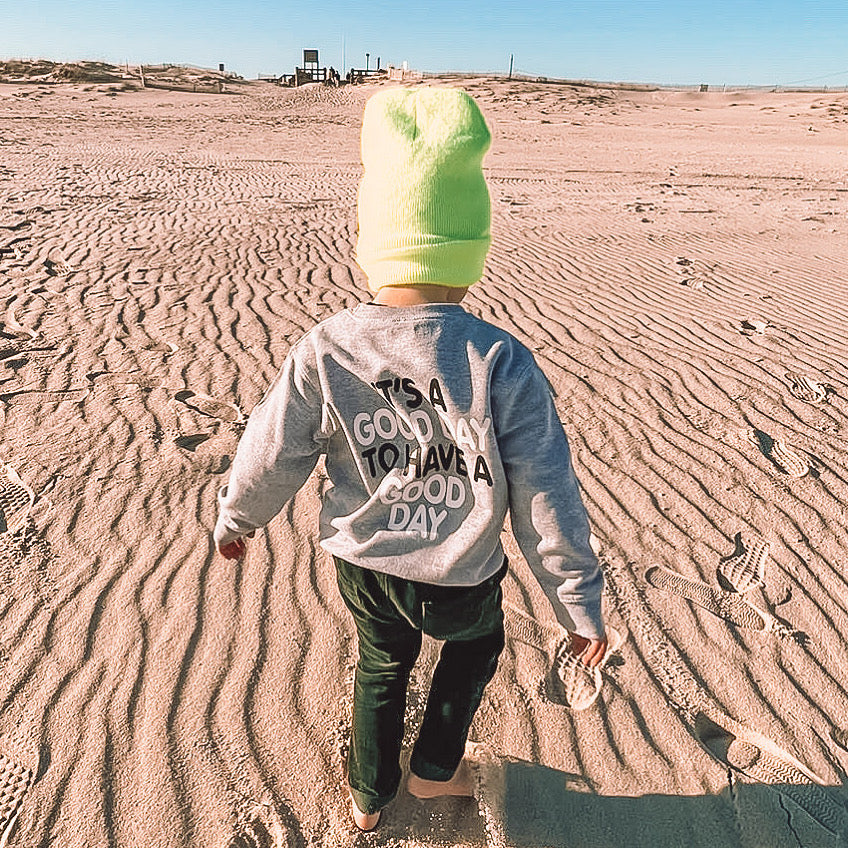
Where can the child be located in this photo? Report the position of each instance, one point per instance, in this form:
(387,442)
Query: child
(433,423)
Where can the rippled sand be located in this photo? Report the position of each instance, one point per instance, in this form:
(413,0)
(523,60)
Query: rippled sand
(676,260)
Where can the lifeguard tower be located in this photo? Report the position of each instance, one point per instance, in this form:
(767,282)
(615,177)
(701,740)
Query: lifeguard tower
(311,70)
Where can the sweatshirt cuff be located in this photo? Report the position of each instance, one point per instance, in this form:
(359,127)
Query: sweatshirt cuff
(222,534)
(585,619)
(228,527)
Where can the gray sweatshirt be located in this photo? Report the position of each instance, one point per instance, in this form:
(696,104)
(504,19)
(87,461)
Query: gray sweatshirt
(433,423)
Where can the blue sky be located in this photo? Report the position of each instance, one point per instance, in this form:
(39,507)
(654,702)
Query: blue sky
(665,41)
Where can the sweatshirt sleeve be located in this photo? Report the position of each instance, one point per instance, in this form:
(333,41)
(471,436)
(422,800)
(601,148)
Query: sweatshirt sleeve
(549,520)
(276,454)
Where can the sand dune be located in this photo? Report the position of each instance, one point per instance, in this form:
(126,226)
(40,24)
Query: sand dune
(677,262)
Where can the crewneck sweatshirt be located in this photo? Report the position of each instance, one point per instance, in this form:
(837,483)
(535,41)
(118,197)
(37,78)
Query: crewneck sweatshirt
(433,424)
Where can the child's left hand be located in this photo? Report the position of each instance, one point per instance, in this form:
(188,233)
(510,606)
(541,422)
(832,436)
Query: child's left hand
(233,550)
(590,651)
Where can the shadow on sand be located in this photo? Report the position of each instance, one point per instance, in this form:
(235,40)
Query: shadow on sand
(541,807)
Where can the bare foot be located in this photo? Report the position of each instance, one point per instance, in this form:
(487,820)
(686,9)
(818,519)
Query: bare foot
(364,821)
(462,783)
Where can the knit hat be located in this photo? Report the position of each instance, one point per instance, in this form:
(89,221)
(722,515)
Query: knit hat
(424,211)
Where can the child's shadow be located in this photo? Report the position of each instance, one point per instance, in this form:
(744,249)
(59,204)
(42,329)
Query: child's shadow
(533,806)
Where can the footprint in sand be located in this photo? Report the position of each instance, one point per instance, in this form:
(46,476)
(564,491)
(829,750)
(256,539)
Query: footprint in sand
(18,769)
(570,683)
(574,684)
(118,378)
(16,248)
(745,568)
(760,760)
(806,389)
(58,268)
(192,441)
(264,828)
(789,460)
(785,458)
(523,628)
(206,405)
(753,327)
(12,325)
(16,500)
(689,275)
(727,605)
(71,394)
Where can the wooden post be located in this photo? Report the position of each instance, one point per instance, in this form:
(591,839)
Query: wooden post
(141,74)
(510,65)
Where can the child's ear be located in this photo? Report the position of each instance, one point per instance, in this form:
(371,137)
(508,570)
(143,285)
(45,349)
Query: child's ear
(455,294)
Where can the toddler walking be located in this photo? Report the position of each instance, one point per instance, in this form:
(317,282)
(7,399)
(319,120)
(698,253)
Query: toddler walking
(433,424)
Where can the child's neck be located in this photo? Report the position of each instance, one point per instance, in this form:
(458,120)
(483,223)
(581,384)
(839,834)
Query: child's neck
(417,295)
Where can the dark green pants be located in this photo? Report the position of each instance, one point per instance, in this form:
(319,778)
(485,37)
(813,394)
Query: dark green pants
(390,615)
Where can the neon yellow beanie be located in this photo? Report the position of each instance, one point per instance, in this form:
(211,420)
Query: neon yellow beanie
(424,210)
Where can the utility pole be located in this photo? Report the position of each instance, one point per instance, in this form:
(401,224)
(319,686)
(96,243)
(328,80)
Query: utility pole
(510,65)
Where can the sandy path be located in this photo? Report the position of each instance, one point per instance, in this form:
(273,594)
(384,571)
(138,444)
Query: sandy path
(676,261)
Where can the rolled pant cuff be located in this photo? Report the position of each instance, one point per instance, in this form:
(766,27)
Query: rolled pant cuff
(428,771)
(368,803)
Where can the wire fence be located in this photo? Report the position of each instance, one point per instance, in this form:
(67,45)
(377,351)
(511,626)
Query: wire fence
(798,86)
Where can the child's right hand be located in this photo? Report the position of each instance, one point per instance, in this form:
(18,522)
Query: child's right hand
(233,550)
(590,651)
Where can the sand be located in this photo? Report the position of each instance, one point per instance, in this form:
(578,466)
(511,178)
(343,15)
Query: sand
(676,260)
